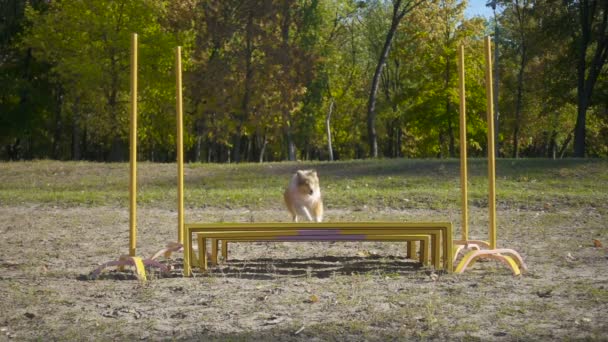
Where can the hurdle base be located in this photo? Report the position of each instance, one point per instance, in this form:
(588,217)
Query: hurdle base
(169,249)
(174,247)
(462,245)
(126,260)
(509,257)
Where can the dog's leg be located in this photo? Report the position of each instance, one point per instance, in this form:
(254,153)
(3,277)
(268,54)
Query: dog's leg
(317,211)
(308,216)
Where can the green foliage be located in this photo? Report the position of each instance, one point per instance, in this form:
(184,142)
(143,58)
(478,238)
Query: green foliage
(88,45)
(260,77)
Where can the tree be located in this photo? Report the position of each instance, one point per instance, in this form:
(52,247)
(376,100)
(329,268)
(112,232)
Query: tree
(400,9)
(518,26)
(592,41)
(26,88)
(87,44)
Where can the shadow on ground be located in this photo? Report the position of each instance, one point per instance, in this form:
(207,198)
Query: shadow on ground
(268,268)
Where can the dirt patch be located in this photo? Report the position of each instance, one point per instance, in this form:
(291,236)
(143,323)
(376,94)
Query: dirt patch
(298,291)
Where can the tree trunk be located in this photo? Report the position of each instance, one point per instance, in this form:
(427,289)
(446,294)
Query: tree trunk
(448,109)
(372,135)
(263,149)
(519,102)
(263,142)
(85,142)
(328,128)
(247,93)
(398,14)
(588,74)
(198,148)
(399,139)
(76,155)
(452,140)
(441,140)
(291,145)
(287,120)
(58,126)
(552,149)
(496,89)
(562,151)
(116,149)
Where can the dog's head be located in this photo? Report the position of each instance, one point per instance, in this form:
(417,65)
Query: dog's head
(308,181)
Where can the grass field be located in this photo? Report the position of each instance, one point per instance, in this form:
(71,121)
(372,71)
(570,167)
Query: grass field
(62,219)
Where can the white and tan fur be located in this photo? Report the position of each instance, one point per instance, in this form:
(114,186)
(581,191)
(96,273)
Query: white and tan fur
(303,196)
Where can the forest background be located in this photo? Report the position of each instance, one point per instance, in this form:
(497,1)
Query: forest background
(272,80)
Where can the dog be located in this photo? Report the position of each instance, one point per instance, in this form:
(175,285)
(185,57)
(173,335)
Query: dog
(303,196)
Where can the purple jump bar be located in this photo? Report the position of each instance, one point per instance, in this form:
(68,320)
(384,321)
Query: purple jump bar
(321,235)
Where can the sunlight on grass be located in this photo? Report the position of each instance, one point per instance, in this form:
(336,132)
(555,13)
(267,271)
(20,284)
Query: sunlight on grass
(390,183)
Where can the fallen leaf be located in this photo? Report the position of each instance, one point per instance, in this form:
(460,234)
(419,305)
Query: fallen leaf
(363,254)
(597,243)
(569,257)
(312,299)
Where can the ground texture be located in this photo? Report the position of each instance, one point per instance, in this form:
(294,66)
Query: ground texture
(354,291)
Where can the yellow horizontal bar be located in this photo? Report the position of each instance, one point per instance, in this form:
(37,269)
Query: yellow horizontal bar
(409,238)
(423,238)
(383,235)
(320,225)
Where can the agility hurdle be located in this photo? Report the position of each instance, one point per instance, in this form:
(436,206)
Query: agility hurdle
(384,231)
(339,231)
(509,257)
(439,232)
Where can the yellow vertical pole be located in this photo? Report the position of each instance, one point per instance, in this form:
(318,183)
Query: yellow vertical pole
(133,151)
(491,147)
(180,145)
(463,147)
